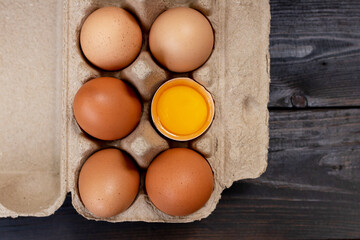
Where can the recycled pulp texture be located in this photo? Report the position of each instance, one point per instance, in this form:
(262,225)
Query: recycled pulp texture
(32,167)
(237,75)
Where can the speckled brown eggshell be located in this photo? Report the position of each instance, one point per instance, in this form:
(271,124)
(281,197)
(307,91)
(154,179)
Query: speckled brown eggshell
(111,38)
(107,108)
(181,39)
(179,181)
(108,183)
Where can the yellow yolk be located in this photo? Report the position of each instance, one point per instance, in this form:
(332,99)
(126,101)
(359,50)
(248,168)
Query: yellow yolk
(182,110)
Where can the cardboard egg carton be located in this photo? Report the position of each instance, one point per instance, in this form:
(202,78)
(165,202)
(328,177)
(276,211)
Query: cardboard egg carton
(35,178)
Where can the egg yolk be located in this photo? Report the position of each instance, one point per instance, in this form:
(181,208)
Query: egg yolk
(182,110)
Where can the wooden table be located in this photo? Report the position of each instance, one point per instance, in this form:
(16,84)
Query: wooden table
(312,185)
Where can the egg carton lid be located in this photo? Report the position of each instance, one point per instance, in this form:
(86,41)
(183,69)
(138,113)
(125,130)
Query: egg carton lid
(32,151)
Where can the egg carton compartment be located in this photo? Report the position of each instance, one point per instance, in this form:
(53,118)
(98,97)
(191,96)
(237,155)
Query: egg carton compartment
(36,173)
(236,143)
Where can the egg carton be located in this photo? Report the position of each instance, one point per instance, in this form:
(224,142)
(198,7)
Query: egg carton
(236,74)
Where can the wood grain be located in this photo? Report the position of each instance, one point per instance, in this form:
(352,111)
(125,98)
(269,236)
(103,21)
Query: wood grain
(315,53)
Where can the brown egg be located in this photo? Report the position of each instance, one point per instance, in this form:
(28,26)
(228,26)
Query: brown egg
(179,181)
(181,39)
(110,38)
(107,108)
(108,183)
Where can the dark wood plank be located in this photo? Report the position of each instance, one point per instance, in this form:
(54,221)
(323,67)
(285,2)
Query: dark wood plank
(311,190)
(315,53)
